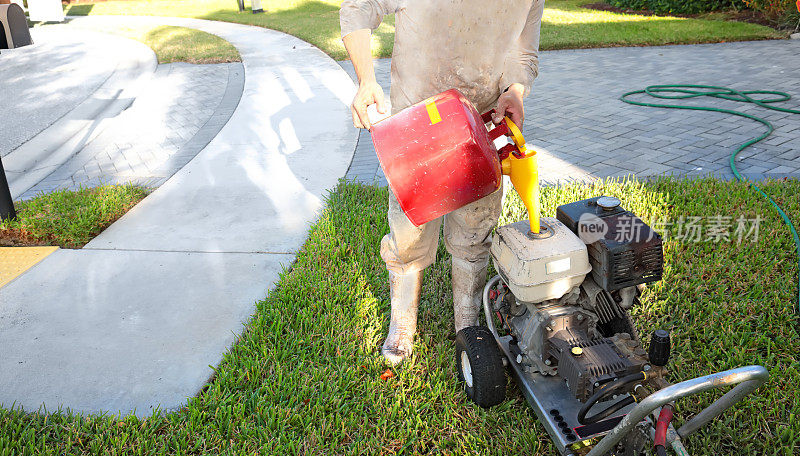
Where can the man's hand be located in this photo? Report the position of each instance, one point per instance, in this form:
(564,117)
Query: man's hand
(369,93)
(510,104)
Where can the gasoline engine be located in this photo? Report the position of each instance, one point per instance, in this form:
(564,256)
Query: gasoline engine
(565,302)
(557,313)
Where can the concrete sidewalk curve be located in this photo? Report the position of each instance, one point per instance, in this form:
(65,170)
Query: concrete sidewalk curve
(134,321)
(133,65)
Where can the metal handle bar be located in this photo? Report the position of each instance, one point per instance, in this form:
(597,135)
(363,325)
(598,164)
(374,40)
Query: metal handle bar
(746,378)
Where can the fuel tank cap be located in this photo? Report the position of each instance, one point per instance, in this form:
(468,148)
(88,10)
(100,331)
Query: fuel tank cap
(608,202)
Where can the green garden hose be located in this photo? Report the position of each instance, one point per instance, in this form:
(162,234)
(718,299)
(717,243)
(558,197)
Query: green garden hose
(685,91)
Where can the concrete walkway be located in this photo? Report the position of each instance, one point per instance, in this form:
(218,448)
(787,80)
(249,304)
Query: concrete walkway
(180,110)
(45,81)
(133,321)
(51,115)
(141,138)
(583,131)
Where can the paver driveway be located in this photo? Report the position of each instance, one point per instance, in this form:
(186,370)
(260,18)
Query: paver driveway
(582,130)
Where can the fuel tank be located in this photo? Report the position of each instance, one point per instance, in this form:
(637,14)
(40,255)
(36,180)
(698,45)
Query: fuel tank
(543,266)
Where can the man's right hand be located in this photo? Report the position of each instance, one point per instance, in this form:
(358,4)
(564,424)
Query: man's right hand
(369,93)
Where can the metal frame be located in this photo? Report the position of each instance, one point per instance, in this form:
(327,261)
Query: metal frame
(746,379)
(539,389)
(545,393)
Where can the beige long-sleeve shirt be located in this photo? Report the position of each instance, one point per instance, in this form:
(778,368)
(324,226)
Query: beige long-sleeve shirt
(479,47)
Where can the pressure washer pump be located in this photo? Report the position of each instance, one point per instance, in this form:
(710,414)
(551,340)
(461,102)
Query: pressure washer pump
(556,315)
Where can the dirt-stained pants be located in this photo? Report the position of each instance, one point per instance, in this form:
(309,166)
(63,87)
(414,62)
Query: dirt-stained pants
(467,235)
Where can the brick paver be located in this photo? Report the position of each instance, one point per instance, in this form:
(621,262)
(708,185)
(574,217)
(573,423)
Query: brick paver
(178,113)
(582,130)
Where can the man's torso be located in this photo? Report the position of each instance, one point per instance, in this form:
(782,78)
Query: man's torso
(462,44)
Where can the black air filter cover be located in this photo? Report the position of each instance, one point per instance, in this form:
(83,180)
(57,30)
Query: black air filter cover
(627,253)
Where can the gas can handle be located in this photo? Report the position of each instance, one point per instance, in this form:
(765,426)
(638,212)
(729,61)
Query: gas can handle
(516,134)
(506,128)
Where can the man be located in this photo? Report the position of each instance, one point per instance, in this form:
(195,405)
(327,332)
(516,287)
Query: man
(489,51)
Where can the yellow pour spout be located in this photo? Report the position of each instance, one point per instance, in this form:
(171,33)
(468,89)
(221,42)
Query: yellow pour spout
(524,173)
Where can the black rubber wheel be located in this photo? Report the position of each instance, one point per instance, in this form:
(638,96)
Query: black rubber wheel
(480,366)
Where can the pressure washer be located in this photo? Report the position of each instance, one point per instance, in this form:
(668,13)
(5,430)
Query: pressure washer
(557,313)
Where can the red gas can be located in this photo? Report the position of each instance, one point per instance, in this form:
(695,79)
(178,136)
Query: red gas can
(438,155)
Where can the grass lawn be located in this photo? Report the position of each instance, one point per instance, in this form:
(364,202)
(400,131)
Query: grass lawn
(565,24)
(177,44)
(68,218)
(304,377)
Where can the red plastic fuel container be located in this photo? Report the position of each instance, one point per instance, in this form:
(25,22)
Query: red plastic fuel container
(438,155)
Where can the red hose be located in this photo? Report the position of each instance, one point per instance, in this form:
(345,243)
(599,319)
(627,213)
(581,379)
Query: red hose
(661,426)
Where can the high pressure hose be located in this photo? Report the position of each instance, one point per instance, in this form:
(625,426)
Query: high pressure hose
(605,391)
(660,439)
(685,91)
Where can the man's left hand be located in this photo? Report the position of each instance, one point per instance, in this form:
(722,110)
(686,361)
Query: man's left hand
(510,104)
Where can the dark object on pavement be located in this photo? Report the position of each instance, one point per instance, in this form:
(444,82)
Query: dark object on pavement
(7,211)
(14,31)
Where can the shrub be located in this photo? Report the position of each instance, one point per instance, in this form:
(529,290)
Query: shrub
(772,8)
(786,10)
(681,6)
(782,11)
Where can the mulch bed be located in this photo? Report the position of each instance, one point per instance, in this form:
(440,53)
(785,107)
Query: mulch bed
(13,237)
